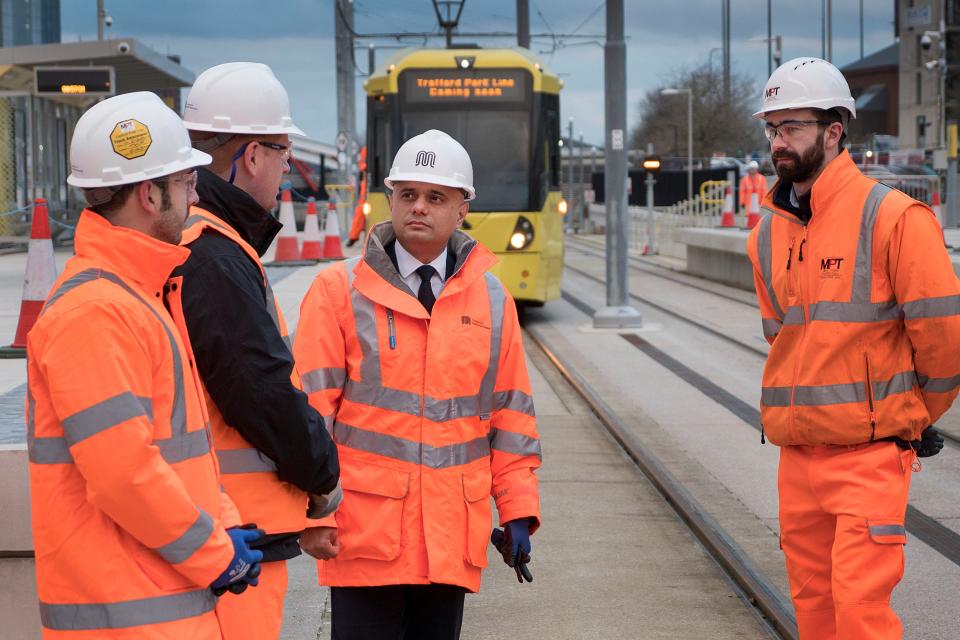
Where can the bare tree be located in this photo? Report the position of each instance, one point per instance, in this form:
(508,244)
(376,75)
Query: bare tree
(717,125)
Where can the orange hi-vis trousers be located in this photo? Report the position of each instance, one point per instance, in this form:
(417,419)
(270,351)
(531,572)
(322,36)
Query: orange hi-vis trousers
(257,613)
(841,528)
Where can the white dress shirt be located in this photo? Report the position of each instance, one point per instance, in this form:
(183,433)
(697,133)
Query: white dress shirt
(407,265)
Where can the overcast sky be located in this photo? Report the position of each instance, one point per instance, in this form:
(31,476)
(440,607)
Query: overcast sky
(295,37)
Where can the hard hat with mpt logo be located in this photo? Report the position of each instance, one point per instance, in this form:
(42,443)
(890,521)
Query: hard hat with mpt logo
(807,83)
(435,158)
(129,138)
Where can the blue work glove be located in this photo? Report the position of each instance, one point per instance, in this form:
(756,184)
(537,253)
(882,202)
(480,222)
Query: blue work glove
(244,568)
(513,543)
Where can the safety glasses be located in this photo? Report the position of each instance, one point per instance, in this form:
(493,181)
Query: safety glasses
(789,129)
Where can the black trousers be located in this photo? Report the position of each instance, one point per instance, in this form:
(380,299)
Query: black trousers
(397,612)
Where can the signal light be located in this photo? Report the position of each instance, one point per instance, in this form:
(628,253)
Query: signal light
(651,163)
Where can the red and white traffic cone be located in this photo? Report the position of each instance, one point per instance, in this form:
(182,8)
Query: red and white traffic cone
(312,241)
(40,274)
(753,211)
(332,250)
(936,206)
(288,249)
(727,220)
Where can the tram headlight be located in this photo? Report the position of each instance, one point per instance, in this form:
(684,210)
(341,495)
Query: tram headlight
(562,207)
(366,208)
(522,236)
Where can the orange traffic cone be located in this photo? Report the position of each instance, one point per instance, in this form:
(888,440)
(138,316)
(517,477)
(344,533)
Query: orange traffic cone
(40,274)
(936,206)
(753,211)
(287,249)
(312,242)
(726,220)
(331,239)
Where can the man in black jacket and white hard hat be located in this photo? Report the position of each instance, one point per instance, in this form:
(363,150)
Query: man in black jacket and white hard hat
(273,448)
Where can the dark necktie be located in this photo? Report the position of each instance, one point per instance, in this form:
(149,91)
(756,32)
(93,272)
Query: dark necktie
(425,293)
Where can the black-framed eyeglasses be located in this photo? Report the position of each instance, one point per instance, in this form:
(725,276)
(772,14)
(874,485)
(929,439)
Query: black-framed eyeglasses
(789,128)
(282,148)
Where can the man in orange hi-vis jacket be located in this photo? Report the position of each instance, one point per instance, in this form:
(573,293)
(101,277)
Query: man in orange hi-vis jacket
(861,307)
(414,354)
(128,515)
(752,184)
(359,216)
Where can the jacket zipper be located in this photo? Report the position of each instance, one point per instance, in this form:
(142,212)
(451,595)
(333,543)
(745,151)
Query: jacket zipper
(803,329)
(790,254)
(393,333)
(873,413)
(803,241)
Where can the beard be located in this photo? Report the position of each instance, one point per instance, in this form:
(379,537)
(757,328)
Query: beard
(802,167)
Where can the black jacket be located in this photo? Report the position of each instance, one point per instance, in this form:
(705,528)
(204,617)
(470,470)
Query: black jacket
(240,355)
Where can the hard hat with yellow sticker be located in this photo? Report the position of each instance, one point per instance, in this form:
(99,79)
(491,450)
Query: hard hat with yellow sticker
(130,138)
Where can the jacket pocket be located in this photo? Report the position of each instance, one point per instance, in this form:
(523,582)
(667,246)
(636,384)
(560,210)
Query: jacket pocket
(370,518)
(476,498)
(157,570)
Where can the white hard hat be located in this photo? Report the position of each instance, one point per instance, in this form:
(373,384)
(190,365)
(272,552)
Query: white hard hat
(239,97)
(129,138)
(753,165)
(806,83)
(435,158)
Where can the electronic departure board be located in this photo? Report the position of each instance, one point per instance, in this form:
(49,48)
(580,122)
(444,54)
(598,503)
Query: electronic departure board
(88,81)
(425,86)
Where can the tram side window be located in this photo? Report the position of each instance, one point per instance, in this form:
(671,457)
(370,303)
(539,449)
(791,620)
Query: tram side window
(551,123)
(378,151)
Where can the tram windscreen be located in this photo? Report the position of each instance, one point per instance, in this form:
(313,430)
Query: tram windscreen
(499,146)
(488,112)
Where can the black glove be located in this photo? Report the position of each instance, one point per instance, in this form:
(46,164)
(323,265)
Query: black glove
(929,444)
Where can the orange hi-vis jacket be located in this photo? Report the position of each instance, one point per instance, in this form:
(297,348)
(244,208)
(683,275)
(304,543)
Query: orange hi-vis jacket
(249,477)
(757,183)
(431,415)
(862,310)
(128,515)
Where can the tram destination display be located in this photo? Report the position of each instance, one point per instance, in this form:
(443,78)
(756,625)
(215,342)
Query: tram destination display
(84,81)
(425,86)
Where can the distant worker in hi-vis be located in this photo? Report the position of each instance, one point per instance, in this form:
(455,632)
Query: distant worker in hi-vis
(275,453)
(861,307)
(413,354)
(134,537)
(752,185)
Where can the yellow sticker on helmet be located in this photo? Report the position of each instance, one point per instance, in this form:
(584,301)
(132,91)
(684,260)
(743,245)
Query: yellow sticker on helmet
(131,139)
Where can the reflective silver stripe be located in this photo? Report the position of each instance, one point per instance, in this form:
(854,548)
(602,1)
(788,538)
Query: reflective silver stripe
(515,443)
(765,254)
(55,450)
(497,297)
(771,327)
(854,311)
(130,613)
(288,341)
(899,383)
(794,315)
(190,541)
(888,530)
(191,445)
(328,423)
(939,385)
(408,450)
(49,451)
(451,408)
(827,394)
(863,266)
(244,461)
(272,305)
(104,415)
(932,308)
(515,400)
(775,396)
(324,378)
(195,219)
(375,395)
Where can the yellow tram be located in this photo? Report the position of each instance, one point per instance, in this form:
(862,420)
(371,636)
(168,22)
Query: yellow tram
(504,107)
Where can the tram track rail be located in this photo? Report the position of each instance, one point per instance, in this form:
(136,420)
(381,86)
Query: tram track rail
(753,587)
(924,527)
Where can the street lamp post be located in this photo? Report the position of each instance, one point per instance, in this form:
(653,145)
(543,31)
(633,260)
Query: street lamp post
(677,92)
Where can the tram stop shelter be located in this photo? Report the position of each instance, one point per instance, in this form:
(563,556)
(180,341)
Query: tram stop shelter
(36,126)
